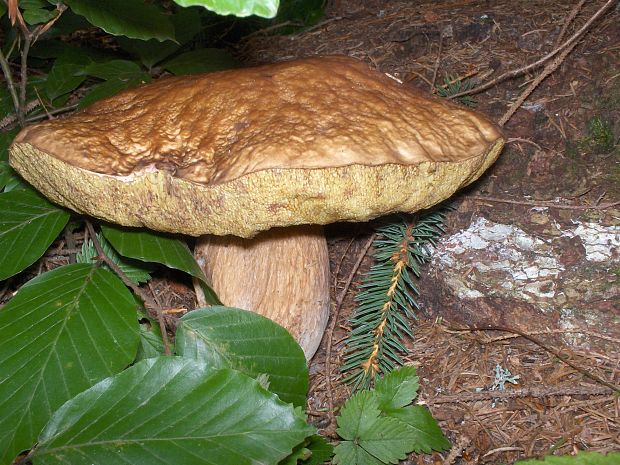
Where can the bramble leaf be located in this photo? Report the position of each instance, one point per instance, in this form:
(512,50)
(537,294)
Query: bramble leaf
(397,389)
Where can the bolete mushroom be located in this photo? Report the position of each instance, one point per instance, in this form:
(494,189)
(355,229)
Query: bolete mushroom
(234,153)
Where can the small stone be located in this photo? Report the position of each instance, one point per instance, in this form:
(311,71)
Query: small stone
(539,218)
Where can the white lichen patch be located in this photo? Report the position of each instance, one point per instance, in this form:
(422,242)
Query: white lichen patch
(488,259)
(503,254)
(602,243)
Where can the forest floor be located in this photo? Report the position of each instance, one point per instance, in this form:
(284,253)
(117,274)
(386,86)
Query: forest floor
(547,213)
(531,250)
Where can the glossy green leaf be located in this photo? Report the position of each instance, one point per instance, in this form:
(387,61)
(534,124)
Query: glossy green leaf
(264,8)
(204,60)
(38,15)
(131,18)
(64,331)
(6,173)
(136,271)
(170,411)
(320,449)
(187,24)
(107,89)
(5,141)
(225,337)
(582,458)
(64,77)
(151,343)
(32,4)
(16,183)
(123,70)
(28,225)
(149,246)
(2,9)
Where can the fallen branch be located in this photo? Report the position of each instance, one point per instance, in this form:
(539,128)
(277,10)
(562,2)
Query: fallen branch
(543,204)
(536,392)
(520,71)
(552,350)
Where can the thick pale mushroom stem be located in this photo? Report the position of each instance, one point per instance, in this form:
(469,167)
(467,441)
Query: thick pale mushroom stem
(282,274)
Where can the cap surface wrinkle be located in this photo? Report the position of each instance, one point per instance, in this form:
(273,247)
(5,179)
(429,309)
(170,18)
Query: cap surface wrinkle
(317,140)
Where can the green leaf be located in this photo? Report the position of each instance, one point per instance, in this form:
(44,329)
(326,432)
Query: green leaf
(2,9)
(348,453)
(264,8)
(151,343)
(5,141)
(136,271)
(107,89)
(397,389)
(369,434)
(359,411)
(123,70)
(38,16)
(169,411)
(424,433)
(16,183)
(225,337)
(385,439)
(131,18)
(154,247)
(32,4)
(28,225)
(582,458)
(64,77)
(321,450)
(204,60)
(187,24)
(6,173)
(63,331)
(6,101)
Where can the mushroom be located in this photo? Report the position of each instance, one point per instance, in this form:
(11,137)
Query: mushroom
(234,153)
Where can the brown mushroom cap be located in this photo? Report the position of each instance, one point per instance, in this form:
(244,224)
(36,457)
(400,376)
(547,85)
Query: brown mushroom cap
(317,140)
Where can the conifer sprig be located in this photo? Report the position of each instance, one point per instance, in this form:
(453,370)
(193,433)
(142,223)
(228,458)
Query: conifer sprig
(387,298)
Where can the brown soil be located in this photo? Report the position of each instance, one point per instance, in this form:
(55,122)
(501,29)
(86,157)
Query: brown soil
(554,154)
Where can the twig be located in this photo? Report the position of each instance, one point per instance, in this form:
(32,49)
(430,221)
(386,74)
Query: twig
(544,204)
(457,450)
(519,71)
(330,332)
(549,68)
(558,331)
(8,76)
(552,350)
(536,392)
(526,141)
(437,62)
(161,321)
(149,302)
(21,110)
(70,241)
(568,21)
